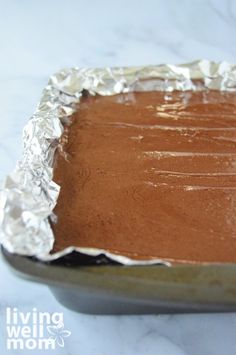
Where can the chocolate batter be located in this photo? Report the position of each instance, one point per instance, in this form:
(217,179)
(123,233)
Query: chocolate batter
(150,175)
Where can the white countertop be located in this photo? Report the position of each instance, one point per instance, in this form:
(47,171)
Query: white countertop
(39,38)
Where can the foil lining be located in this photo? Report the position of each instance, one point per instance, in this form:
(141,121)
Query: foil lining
(29,194)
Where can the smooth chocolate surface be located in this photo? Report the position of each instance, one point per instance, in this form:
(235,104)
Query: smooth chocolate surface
(150,175)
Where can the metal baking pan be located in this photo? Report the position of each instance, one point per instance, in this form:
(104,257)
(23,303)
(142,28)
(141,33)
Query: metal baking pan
(91,280)
(119,289)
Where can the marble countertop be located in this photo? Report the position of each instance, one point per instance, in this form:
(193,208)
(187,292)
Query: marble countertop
(39,38)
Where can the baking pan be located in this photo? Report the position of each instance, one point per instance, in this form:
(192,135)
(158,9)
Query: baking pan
(119,289)
(91,280)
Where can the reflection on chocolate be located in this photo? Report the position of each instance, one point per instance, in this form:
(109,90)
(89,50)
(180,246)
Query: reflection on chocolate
(151,175)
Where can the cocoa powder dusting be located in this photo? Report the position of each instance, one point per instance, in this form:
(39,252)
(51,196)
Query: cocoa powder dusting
(150,175)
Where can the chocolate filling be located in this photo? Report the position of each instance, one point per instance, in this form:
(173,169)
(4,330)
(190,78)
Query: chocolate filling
(150,175)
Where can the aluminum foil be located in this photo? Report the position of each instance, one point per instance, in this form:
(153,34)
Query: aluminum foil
(29,194)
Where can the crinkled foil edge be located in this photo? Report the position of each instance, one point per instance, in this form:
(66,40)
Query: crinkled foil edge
(29,194)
